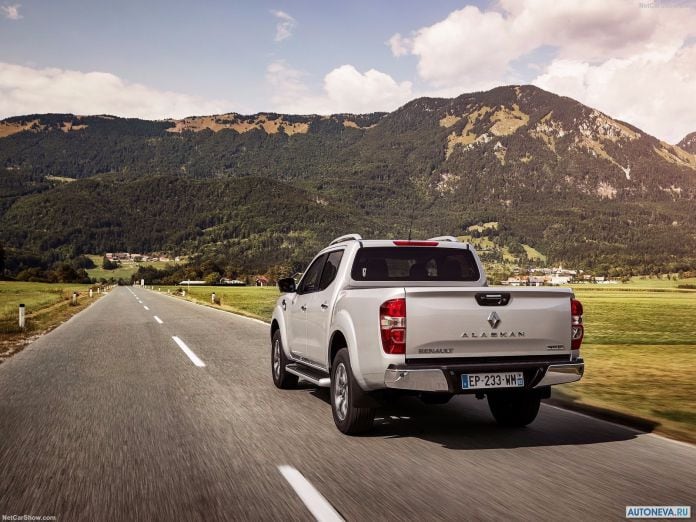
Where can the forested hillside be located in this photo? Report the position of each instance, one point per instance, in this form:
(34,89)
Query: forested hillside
(260,190)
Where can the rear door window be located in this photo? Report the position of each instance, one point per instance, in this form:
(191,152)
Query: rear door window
(310,281)
(404,263)
(330,269)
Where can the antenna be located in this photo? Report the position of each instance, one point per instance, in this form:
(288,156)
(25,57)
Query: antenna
(413,214)
(410,225)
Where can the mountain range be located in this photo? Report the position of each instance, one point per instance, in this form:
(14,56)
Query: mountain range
(267,189)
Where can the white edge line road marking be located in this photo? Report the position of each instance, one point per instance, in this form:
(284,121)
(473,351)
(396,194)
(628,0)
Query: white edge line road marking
(146,308)
(194,358)
(634,430)
(265,323)
(158,319)
(315,502)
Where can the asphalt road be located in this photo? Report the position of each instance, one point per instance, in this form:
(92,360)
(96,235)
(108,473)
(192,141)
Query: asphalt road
(107,418)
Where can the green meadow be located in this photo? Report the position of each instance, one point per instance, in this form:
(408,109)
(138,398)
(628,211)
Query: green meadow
(640,355)
(125,271)
(251,301)
(46,305)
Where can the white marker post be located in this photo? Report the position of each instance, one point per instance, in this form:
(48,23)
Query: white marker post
(90,292)
(22,316)
(212,298)
(74,298)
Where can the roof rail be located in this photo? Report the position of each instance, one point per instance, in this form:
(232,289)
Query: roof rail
(451,239)
(347,237)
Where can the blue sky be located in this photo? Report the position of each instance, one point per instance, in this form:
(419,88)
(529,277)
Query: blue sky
(173,58)
(213,49)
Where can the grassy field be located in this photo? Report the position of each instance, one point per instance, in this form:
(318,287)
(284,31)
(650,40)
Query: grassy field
(125,271)
(657,282)
(252,301)
(47,305)
(638,317)
(640,355)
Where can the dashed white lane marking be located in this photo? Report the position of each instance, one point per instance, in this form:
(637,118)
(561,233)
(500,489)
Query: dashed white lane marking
(194,358)
(320,508)
(145,307)
(158,319)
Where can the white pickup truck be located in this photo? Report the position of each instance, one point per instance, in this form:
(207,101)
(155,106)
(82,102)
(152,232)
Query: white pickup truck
(371,318)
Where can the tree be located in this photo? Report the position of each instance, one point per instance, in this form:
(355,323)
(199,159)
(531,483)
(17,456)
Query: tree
(83,261)
(107,264)
(212,278)
(2,260)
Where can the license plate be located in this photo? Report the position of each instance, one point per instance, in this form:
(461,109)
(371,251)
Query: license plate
(476,381)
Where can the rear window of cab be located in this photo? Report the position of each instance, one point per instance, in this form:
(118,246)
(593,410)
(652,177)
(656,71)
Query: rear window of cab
(403,263)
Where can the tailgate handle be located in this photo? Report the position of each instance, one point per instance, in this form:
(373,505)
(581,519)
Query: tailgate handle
(493,299)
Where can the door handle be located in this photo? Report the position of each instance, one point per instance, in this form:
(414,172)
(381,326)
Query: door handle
(303,308)
(324,306)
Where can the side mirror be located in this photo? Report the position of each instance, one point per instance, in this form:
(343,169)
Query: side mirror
(287,285)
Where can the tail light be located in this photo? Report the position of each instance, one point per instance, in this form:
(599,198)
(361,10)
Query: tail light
(577,329)
(392,324)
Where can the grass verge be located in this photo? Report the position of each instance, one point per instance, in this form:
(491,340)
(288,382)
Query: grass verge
(250,301)
(653,384)
(47,306)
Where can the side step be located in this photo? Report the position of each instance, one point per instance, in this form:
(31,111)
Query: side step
(316,377)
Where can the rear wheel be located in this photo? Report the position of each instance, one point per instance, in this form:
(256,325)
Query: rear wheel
(281,378)
(514,408)
(349,418)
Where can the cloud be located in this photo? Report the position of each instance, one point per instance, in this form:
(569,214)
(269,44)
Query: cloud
(472,47)
(288,88)
(399,45)
(606,54)
(344,89)
(27,90)
(352,91)
(285,25)
(11,12)
(652,90)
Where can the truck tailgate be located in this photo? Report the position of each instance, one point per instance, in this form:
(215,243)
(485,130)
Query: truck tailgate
(450,322)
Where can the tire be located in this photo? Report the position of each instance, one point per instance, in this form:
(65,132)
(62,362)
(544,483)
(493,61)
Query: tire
(436,398)
(281,378)
(349,418)
(514,408)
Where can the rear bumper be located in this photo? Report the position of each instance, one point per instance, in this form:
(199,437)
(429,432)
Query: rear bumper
(446,378)
(562,373)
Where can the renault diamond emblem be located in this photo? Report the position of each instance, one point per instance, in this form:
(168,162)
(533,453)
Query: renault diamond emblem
(494,320)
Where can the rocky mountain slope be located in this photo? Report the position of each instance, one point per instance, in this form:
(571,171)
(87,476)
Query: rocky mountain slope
(562,177)
(689,143)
